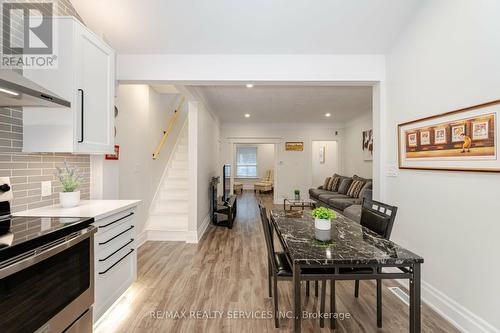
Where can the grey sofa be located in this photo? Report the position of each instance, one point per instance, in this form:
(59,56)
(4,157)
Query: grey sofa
(342,203)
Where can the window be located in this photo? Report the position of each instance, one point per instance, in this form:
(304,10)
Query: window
(246,162)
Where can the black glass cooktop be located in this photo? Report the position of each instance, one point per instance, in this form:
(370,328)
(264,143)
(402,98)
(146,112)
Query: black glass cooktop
(21,233)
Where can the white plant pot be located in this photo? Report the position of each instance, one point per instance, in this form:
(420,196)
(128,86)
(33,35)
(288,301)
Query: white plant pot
(69,199)
(322,224)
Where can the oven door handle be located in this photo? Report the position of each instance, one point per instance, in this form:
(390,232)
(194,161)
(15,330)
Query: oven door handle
(39,254)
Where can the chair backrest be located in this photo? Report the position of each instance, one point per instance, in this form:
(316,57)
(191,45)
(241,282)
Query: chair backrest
(378,217)
(267,233)
(270,176)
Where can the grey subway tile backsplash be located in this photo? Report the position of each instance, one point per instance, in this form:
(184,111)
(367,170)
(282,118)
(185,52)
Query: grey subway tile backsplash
(27,171)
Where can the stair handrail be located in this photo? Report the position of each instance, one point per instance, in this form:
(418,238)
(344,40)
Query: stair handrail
(166,132)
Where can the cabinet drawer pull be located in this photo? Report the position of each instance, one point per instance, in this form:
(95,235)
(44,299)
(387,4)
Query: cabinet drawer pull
(121,218)
(82,119)
(130,241)
(116,263)
(121,233)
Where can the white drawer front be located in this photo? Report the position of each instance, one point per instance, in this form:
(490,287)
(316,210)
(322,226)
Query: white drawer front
(108,251)
(115,258)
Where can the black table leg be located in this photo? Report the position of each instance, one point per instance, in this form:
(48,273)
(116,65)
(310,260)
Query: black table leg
(322,305)
(296,298)
(333,309)
(415,300)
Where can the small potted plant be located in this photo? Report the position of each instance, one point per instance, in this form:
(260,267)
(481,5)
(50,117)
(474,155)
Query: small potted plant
(297,194)
(322,218)
(70,179)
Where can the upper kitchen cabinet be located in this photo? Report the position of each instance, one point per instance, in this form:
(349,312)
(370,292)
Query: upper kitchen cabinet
(85,76)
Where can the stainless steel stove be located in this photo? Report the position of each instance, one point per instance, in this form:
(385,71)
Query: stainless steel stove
(46,273)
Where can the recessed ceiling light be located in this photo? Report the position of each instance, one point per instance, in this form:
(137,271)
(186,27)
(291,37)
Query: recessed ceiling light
(249,85)
(247,115)
(327,114)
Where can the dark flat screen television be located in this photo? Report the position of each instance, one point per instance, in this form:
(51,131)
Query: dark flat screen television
(226,182)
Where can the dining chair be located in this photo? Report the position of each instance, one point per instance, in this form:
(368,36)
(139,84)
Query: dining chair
(379,218)
(279,269)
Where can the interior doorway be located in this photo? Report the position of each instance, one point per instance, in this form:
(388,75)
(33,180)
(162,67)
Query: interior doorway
(325,160)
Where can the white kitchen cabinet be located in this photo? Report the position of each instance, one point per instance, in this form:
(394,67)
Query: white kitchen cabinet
(115,258)
(85,76)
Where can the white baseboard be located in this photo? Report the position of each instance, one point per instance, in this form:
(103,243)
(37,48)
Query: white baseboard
(141,238)
(460,317)
(195,236)
(166,236)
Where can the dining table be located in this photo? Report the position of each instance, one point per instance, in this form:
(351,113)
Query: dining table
(346,246)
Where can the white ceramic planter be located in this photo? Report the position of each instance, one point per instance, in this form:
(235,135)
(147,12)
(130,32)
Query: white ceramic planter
(69,199)
(322,224)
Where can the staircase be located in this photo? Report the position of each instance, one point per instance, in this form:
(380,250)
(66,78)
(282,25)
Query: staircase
(168,215)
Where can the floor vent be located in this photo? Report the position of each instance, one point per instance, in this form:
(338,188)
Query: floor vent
(400,294)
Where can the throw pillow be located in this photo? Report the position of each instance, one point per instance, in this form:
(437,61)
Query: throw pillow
(325,184)
(329,186)
(336,183)
(355,188)
(344,185)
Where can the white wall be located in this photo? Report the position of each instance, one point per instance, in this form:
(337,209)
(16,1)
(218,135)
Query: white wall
(143,115)
(331,165)
(353,161)
(204,159)
(448,59)
(265,161)
(258,67)
(294,169)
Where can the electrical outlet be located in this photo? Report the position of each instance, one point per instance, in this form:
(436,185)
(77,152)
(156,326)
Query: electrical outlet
(46,188)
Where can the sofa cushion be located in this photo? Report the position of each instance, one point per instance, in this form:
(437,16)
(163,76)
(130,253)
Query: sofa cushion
(326,196)
(342,203)
(344,185)
(315,192)
(353,212)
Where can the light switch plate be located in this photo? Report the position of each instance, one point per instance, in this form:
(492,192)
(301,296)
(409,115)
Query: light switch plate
(46,188)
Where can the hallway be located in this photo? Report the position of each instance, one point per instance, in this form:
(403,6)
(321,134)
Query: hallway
(227,273)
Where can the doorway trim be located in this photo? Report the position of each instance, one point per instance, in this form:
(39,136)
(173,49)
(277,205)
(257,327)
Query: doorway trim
(233,141)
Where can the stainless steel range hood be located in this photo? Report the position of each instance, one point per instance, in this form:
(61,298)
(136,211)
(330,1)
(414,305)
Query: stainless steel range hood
(16,90)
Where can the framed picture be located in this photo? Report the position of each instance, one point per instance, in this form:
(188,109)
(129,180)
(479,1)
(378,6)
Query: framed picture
(462,140)
(440,135)
(425,138)
(480,130)
(368,145)
(457,133)
(412,139)
(322,155)
(294,146)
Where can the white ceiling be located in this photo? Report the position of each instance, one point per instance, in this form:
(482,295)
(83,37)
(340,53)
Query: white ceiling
(286,104)
(248,27)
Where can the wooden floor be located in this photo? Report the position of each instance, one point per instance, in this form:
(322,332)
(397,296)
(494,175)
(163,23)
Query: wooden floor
(227,272)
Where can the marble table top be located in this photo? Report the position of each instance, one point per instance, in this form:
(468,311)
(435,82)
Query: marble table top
(350,243)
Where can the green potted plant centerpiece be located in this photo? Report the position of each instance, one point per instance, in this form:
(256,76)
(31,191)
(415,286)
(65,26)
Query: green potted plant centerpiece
(322,218)
(70,179)
(297,194)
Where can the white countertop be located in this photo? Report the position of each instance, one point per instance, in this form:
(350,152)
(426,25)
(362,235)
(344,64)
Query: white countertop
(87,208)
